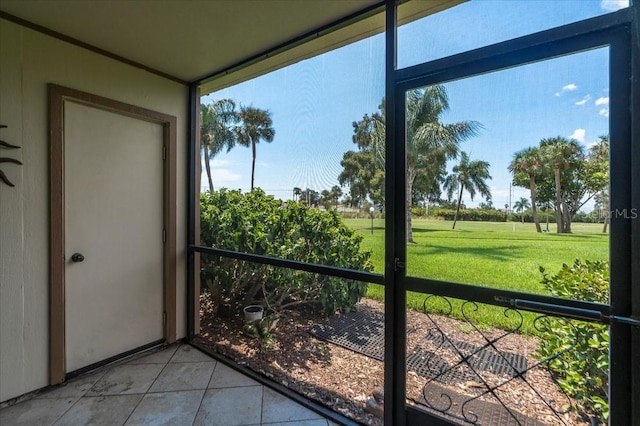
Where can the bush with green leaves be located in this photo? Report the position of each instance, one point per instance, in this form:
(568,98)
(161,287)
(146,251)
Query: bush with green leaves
(582,368)
(257,223)
(477,215)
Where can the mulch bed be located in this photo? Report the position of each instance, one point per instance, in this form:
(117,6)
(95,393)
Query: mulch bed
(343,380)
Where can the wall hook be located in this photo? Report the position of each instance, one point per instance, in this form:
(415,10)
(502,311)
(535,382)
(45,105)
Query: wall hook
(7,145)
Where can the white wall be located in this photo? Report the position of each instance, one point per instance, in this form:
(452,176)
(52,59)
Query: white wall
(28,62)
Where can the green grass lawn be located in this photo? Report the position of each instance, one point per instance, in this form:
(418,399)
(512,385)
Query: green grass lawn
(499,255)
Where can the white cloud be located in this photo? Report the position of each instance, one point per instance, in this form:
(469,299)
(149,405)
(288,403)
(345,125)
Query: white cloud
(584,100)
(613,5)
(602,101)
(224,175)
(578,134)
(566,88)
(591,144)
(218,163)
(604,112)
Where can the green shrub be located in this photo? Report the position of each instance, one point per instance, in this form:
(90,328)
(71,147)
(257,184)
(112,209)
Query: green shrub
(477,215)
(260,224)
(582,367)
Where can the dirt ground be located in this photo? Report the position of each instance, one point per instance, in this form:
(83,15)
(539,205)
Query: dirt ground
(343,380)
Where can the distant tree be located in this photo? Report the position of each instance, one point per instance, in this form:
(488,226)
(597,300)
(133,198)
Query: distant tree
(216,123)
(256,126)
(527,166)
(521,205)
(429,143)
(599,161)
(325,199)
(358,170)
(564,157)
(568,178)
(470,176)
(336,193)
(311,197)
(296,193)
(486,206)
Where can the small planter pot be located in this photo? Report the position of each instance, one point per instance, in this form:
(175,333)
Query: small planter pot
(253,313)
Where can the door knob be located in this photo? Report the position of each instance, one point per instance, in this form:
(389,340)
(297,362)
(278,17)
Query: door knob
(77,257)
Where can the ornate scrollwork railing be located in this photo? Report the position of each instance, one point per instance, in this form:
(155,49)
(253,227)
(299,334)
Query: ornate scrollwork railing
(487,366)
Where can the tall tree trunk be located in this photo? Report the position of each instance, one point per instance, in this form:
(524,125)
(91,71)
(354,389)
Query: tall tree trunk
(455,218)
(207,165)
(607,215)
(558,202)
(411,176)
(253,163)
(566,218)
(407,206)
(547,219)
(534,209)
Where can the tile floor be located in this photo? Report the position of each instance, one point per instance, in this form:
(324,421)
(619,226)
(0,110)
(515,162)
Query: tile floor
(178,385)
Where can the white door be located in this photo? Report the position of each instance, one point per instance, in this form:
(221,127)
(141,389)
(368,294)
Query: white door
(113,183)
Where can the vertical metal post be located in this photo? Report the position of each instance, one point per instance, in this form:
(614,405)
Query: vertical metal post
(620,363)
(395,235)
(192,156)
(634,376)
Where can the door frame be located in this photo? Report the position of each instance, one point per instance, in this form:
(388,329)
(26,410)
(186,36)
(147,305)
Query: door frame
(58,95)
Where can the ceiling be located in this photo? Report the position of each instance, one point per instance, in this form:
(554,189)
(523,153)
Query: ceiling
(186,39)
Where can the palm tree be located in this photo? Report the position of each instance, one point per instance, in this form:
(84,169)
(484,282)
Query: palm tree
(469,175)
(529,163)
(560,153)
(296,193)
(430,143)
(216,121)
(521,205)
(256,126)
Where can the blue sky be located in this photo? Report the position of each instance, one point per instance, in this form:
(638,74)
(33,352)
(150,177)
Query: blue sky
(314,102)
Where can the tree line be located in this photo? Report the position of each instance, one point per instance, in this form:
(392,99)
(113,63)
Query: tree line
(558,172)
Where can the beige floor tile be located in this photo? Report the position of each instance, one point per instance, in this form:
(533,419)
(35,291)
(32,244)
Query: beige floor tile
(317,422)
(74,388)
(126,379)
(184,376)
(100,410)
(278,408)
(167,408)
(230,407)
(35,412)
(187,353)
(227,377)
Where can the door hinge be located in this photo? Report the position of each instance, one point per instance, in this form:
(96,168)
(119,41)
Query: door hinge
(164,152)
(397,264)
(164,318)
(164,235)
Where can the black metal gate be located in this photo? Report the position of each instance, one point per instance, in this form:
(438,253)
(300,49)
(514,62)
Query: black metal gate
(480,364)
